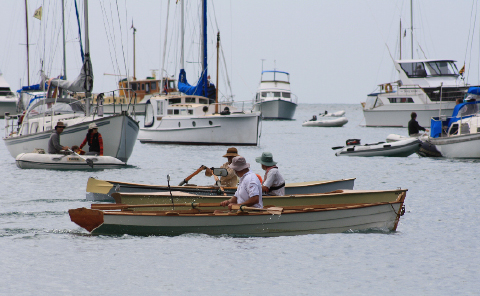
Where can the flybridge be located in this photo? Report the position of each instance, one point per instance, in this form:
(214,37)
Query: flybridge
(272,76)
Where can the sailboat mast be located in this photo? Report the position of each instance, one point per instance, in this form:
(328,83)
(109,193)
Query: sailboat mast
(400,36)
(204,47)
(134,68)
(162,84)
(216,90)
(182,28)
(411,27)
(28,54)
(64,49)
(88,82)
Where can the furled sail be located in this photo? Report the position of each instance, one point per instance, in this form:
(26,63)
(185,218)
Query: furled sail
(197,90)
(83,83)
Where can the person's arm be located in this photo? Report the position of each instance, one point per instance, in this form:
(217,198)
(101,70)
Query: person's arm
(84,142)
(251,201)
(56,142)
(267,183)
(100,142)
(231,201)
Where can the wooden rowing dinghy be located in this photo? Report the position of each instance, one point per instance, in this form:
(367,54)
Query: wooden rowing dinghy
(101,190)
(273,221)
(334,197)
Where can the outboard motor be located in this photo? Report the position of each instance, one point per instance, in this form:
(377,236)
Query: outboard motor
(351,142)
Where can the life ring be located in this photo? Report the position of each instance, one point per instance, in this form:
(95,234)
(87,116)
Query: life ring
(388,88)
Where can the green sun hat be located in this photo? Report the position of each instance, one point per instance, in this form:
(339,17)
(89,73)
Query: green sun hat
(266,159)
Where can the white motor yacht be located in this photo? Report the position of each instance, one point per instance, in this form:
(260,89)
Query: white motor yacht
(428,87)
(274,98)
(8,100)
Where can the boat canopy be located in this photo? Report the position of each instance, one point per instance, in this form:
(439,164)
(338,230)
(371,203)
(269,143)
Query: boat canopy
(461,111)
(274,74)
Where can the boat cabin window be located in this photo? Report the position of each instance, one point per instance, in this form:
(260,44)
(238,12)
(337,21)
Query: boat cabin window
(153,85)
(434,68)
(468,109)
(400,100)
(5,91)
(147,87)
(277,94)
(134,86)
(143,86)
(442,68)
(174,101)
(190,100)
(202,101)
(190,112)
(34,128)
(286,95)
(264,94)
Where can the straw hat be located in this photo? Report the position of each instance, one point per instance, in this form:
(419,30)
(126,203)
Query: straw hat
(92,125)
(239,163)
(231,152)
(60,124)
(266,159)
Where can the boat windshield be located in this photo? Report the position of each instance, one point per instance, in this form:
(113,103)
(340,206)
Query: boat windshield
(429,69)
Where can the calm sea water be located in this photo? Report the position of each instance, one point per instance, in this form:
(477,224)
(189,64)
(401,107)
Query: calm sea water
(433,252)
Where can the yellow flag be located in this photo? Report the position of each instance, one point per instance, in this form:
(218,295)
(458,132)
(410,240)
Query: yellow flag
(462,70)
(38,13)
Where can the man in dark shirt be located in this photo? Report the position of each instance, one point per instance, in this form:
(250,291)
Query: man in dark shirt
(54,146)
(413,127)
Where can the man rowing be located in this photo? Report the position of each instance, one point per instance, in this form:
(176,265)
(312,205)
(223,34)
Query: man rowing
(231,179)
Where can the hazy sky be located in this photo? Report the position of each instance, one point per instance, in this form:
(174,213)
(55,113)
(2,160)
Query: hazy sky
(335,51)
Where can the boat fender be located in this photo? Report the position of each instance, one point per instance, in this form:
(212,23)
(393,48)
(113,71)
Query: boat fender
(388,88)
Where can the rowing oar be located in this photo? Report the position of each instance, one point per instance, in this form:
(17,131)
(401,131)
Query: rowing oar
(88,160)
(271,210)
(125,206)
(338,147)
(219,184)
(185,181)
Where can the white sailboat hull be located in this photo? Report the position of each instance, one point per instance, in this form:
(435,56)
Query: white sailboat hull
(233,129)
(119,133)
(461,146)
(276,109)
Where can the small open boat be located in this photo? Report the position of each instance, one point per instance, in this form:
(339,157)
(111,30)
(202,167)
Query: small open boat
(401,148)
(335,197)
(67,161)
(101,190)
(242,221)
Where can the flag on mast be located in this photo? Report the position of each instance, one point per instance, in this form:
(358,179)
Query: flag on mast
(38,13)
(462,70)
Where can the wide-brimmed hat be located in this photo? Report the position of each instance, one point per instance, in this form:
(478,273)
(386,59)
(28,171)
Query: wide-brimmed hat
(60,124)
(239,163)
(92,125)
(231,152)
(266,159)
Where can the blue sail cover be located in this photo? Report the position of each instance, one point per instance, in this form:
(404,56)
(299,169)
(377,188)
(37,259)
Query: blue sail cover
(475,90)
(468,110)
(196,90)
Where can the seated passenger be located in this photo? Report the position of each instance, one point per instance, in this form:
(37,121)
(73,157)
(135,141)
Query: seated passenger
(420,71)
(274,183)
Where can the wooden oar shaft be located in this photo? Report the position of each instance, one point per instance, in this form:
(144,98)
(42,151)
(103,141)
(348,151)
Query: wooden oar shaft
(126,206)
(195,173)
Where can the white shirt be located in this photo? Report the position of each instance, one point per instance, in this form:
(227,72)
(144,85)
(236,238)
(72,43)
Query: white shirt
(248,187)
(274,179)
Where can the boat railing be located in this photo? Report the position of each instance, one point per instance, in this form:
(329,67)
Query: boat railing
(12,124)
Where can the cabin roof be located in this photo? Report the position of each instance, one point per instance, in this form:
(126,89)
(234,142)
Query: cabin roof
(425,61)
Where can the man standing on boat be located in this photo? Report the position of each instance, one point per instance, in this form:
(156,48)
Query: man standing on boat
(231,179)
(249,190)
(274,183)
(94,140)
(54,146)
(413,127)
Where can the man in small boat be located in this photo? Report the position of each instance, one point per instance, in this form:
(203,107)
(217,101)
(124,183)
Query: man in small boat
(413,127)
(54,146)
(274,183)
(249,190)
(94,140)
(314,118)
(231,179)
